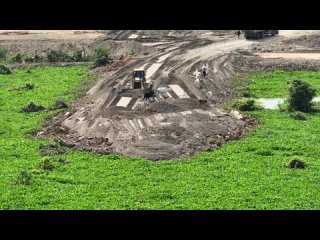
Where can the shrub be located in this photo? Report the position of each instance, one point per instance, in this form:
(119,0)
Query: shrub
(52,149)
(3,53)
(300,96)
(31,107)
(57,56)
(17,58)
(298,115)
(246,105)
(296,163)
(24,178)
(77,56)
(59,104)
(46,164)
(4,70)
(100,57)
(26,86)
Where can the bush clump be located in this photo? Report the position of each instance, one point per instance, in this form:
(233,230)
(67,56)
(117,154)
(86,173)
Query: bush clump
(246,104)
(298,116)
(5,70)
(300,96)
(26,86)
(59,104)
(57,56)
(31,107)
(3,53)
(296,163)
(17,58)
(24,178)
(100,57)
(47,164)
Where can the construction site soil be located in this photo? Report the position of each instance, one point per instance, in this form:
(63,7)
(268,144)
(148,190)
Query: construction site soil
(113,119)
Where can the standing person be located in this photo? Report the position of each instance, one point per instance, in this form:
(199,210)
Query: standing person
(238,33)
(204,70)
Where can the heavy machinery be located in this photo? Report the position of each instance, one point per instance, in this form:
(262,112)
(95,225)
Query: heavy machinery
(259,34)
(138,78)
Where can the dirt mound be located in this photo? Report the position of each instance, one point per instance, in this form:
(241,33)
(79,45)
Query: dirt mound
(298,44)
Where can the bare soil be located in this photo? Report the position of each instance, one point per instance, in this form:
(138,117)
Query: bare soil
(172,126)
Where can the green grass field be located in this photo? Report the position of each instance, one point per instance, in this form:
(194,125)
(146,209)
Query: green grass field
(246,174)
(276,83)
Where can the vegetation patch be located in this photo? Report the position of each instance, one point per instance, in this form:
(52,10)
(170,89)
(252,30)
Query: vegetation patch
(5,70)
(32,107)
(246,104)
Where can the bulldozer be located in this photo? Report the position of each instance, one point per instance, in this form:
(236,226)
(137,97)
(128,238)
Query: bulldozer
(138,78)
(259,34)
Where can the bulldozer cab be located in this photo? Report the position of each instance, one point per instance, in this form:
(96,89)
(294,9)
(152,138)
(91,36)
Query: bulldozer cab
(147,87)
(138,78)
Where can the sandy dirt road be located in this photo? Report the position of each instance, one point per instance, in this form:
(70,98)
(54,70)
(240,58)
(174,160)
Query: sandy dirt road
(175,124)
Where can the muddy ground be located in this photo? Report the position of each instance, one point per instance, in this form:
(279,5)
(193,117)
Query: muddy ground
(110,119)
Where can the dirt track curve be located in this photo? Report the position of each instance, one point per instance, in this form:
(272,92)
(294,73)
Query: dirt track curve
(109,118)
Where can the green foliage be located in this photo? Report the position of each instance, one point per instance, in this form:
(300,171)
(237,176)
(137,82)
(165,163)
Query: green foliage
(298,115)
(24,178)
(246,104)
(300,96)
(57,56)
(77,56)
(275,84)
(32,107)
(101,57)
(245,174)
(47,164)
(3,53)
(283,107)
(5,70)
(26,86)
(296,163)
(16,58)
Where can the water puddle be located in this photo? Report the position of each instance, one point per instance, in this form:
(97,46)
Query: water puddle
(272,103)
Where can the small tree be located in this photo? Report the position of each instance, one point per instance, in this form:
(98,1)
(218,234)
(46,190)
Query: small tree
(300,96)
(101,57)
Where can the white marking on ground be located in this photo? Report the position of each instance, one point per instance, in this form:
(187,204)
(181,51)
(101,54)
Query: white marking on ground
(135,105)
(114,124)
(126,124)
(186,112)
(124,101)
(179,91)
(133,126)
(111,101)
(148,121)
(153,43)
(170,96)
(133,36)
(165,123)
(151,70)
(164,57)
(172,48)
(140,124)
(160,96)
(159,117)
(207,33)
